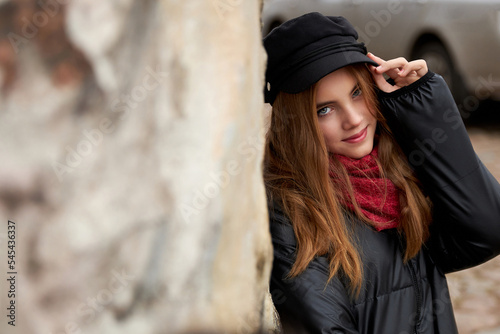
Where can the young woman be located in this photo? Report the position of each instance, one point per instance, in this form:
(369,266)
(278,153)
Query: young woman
(374,189)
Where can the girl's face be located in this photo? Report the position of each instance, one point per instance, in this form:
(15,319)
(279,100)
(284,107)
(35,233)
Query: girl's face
(347,124)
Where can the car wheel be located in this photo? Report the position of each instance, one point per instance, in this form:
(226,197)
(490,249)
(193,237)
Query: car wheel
(439,61)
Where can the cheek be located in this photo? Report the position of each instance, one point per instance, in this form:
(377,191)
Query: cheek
(371,117)
(329,130)
(372,113)
(369,113)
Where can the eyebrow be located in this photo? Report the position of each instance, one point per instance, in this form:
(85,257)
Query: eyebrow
(322,104)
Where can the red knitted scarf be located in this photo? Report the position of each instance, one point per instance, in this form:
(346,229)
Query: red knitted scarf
(377,197)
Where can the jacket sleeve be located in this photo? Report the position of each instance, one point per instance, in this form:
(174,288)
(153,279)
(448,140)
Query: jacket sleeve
(466,197)
(306,303)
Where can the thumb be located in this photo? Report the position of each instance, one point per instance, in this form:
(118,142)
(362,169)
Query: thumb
(380,81)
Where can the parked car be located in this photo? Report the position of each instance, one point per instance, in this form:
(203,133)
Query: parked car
(459,39)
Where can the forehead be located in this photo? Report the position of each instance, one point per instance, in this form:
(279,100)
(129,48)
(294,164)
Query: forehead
(335,85)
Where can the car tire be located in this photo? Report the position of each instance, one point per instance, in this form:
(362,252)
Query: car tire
(439,61)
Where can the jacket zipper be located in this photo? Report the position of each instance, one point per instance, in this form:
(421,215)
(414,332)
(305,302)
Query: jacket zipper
(418,294)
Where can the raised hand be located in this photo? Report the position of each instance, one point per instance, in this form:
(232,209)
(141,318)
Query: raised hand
(399,69)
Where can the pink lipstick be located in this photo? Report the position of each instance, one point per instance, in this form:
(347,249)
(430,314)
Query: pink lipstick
(357,137)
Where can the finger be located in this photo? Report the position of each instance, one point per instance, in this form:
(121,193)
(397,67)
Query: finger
(419,67)
(393,66)
(380,81)
(375,58)
(380,61)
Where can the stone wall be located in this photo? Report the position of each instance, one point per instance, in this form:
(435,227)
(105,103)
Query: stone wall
(131,140)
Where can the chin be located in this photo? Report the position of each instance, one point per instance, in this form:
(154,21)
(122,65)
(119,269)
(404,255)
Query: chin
(360,152)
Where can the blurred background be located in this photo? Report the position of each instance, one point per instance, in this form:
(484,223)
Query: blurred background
(460,40)
(131,140)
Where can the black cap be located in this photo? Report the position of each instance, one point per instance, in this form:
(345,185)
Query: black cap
(303,50)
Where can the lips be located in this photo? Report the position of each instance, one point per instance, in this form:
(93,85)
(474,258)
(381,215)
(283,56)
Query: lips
(357,137)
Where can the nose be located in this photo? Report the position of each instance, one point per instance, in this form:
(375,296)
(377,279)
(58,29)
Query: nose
(352,117)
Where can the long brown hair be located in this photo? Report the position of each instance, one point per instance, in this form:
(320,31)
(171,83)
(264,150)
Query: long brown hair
(296,166)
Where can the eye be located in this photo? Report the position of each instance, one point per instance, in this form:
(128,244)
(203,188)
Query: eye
(357,92)
(324,111)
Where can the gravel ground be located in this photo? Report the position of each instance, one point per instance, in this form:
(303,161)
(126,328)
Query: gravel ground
(475,292)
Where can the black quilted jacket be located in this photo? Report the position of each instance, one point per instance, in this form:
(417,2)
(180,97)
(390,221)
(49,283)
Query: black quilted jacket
(400,298)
